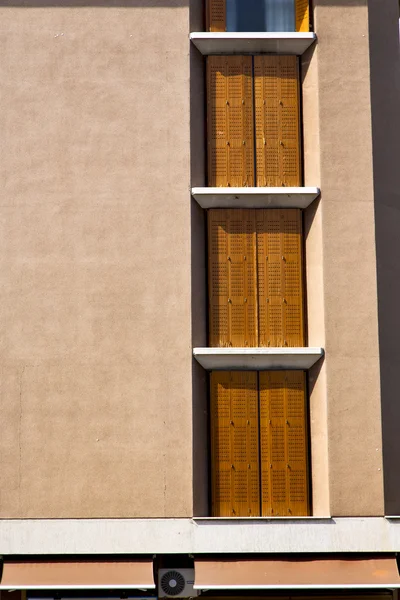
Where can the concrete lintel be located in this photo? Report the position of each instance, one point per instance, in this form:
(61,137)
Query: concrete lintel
(255,197)
(257,359)
(189,536)
(252,43)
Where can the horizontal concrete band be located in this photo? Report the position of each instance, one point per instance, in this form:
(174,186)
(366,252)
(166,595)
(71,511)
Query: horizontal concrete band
(191,536)
(255,197)
(359,586)
(257,359)
(252,43)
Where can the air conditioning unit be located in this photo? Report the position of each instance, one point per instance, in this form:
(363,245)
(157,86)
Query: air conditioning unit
(176,583)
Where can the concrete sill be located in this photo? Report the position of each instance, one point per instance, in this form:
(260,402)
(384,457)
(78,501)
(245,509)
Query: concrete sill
(204,520)
(257,359)
(252,43)
(255,197)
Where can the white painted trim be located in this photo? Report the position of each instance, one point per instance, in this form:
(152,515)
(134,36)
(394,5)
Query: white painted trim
(252,43)
(257,359)
(81,587)
(255,197)
(237,519)
(190,536)
(298,587)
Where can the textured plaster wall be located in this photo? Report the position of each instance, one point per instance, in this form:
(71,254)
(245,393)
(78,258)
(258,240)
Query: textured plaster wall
(95,323)
(348,258)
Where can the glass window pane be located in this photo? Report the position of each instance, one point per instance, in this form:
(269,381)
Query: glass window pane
(260,15)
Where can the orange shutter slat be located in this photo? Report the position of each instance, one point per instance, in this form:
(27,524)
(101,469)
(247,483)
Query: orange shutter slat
(290,120)
(292,268)
(216,15)
(230,121)
(302,15)
(283,440)
(234,444)
(280,278)
(276,91)
(297,446)
(218,278)
(266,95)
(232,278)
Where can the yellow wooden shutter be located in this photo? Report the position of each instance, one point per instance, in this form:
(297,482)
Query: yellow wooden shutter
(232,277)
(234,444)
(276,90)
(230,121)
(280,278)
(283,441)
(216,15)
(302,15)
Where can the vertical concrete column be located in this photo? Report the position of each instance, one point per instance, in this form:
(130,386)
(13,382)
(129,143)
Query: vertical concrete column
(315,288)
(343,231)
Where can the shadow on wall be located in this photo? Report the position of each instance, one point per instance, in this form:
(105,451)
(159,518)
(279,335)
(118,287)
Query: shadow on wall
(95,3)
(385,97)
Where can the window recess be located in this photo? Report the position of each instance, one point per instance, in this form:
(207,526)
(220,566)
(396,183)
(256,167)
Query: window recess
(259,445)
(258,15)
(253,121)
(255,286)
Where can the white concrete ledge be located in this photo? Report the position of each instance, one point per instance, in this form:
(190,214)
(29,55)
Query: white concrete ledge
(186,536)
(257,359)
(255,197)
(261,519)
(252,43)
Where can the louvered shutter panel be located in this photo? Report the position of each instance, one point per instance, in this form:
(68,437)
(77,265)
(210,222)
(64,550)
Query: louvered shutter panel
(292,269)
(290,120)
(302,15)
(283,441)
(230,121)
(266,94)
(234,444)
(232,277)
(280,278)
(276,90)
(216,15)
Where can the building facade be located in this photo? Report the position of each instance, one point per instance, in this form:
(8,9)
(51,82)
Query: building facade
(200,231)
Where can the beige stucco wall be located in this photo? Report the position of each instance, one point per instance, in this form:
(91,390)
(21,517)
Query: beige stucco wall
(342,230)
(95,320)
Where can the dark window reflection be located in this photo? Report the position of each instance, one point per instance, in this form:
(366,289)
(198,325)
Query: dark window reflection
(260,15)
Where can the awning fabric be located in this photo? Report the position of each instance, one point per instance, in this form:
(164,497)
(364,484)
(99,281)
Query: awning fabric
(297,572)
(76,575)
